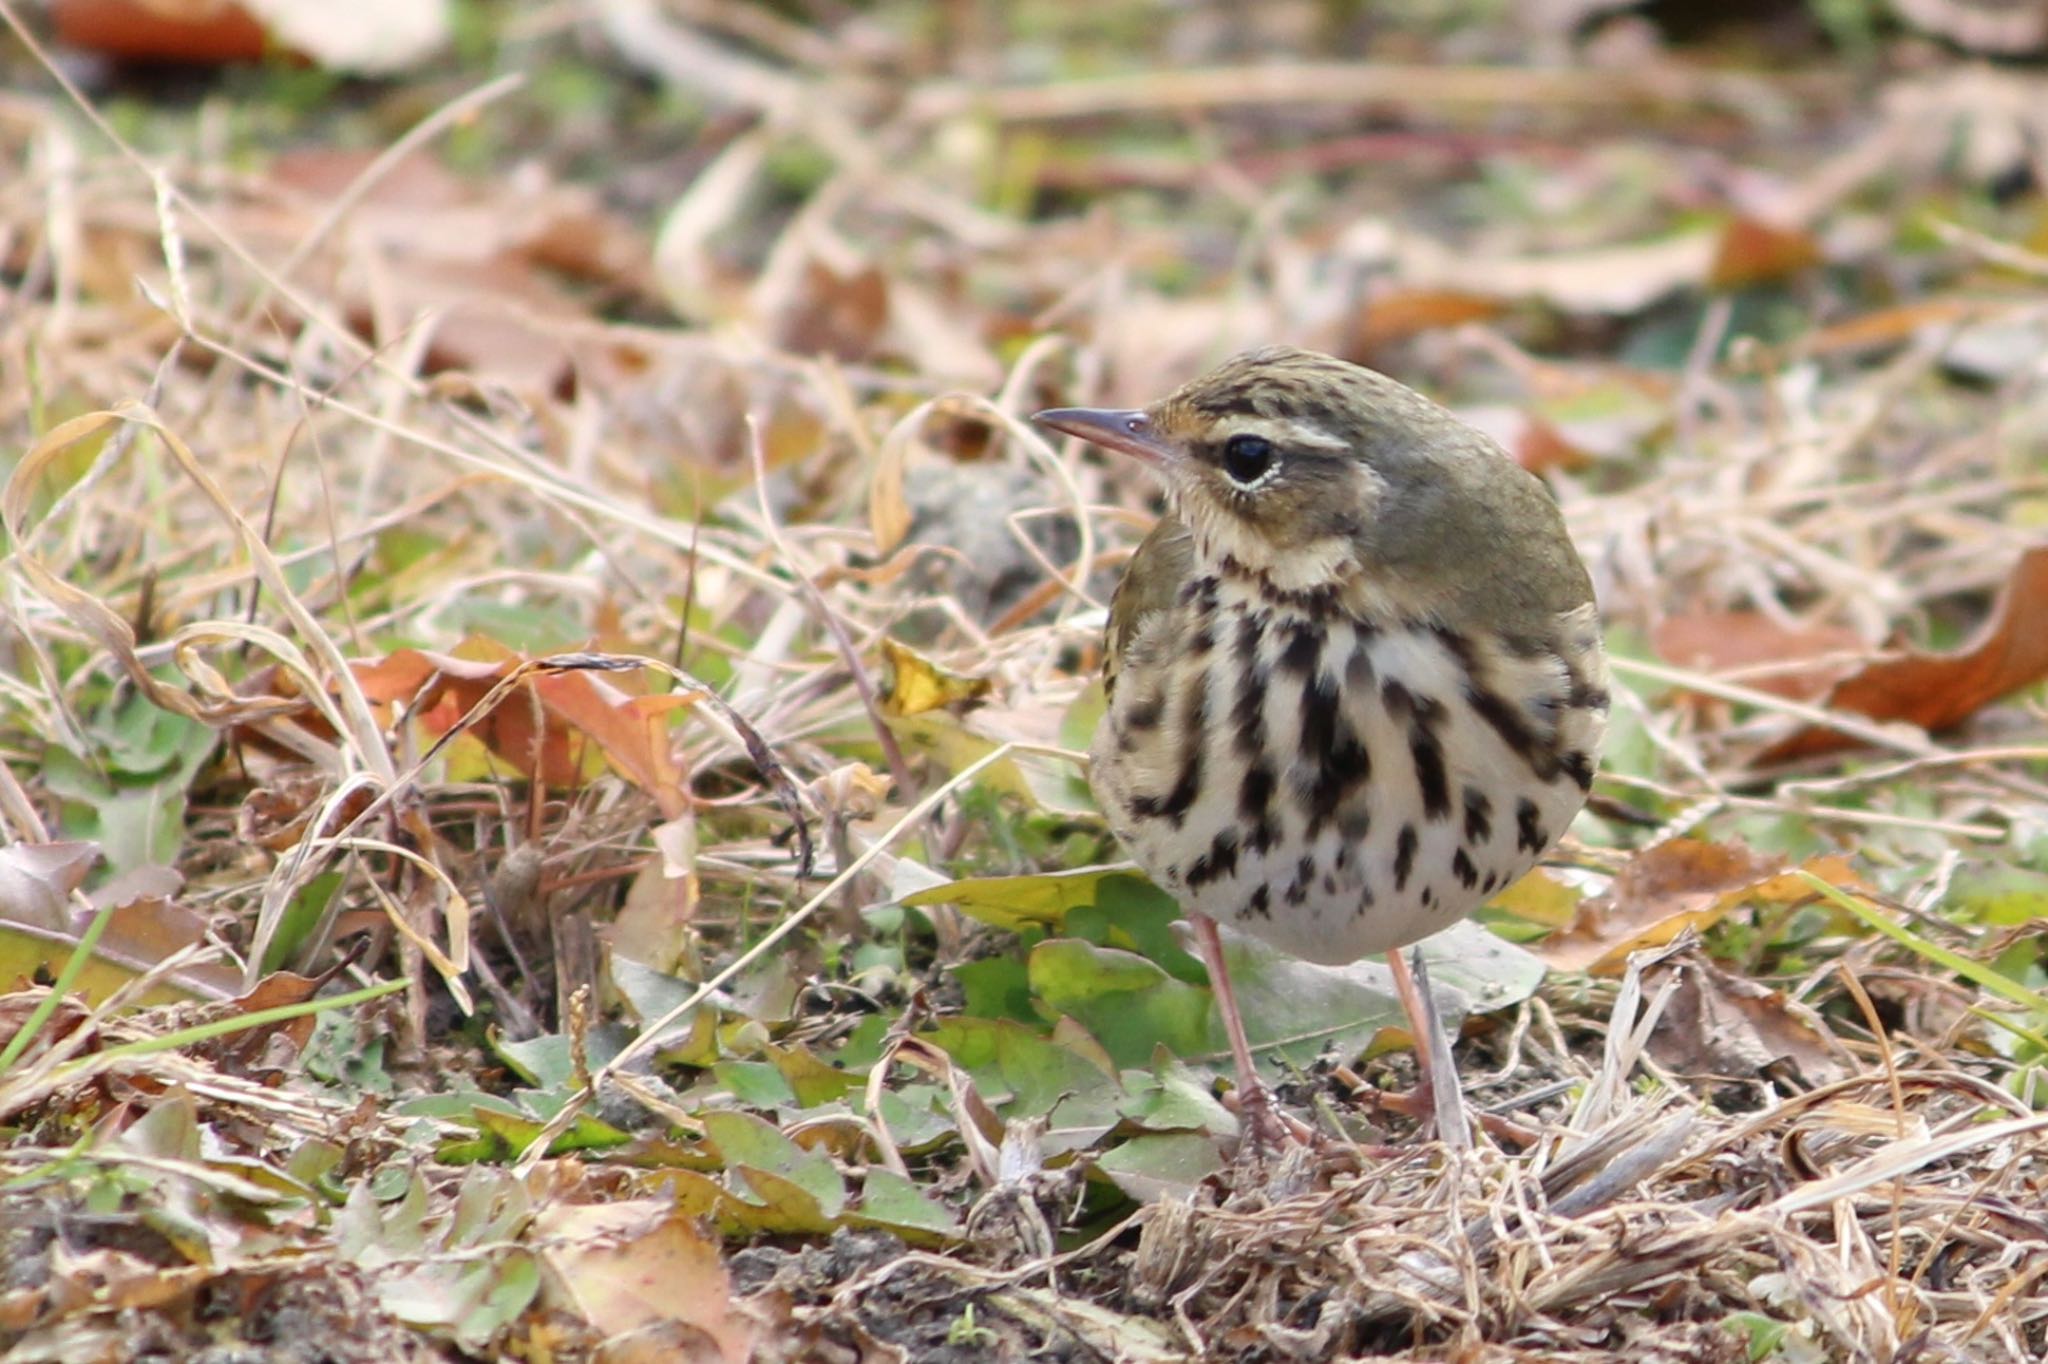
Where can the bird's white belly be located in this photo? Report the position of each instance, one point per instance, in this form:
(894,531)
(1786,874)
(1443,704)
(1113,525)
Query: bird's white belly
(1338,793)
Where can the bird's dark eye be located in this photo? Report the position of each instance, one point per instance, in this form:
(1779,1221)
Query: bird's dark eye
(1247,457)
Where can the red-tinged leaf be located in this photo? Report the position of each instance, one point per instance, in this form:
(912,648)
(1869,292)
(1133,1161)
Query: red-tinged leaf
(1399,314)
(1889,326)
(1770,656)
(1938,691)
(1678,884)
(545,724)
(1752,252)
(1541,447)
(211,32)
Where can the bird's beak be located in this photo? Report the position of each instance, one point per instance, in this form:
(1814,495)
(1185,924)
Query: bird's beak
(1126,430)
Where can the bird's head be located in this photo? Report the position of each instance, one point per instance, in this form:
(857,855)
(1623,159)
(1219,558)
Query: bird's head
(1303,469)
(1312,474)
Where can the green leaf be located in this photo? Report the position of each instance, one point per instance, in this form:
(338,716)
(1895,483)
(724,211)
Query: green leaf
(890,1201)
(750,1146)
(1178,1099)
(755,1083)
(1022,1074)
(1128,1002)
(811,1080)
(2001,895)
(1019,902)
(1160,1165)
(1129,911)
(996,987)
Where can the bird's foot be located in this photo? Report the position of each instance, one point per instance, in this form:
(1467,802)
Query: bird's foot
(1267,1129)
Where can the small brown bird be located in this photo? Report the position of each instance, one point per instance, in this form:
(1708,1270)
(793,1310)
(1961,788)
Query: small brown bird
(1355,676)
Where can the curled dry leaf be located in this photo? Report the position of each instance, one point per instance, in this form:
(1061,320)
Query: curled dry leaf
(1936,691)
(914,684)
(540,720)
(1678,884)
(1720,1024)
(643,1272)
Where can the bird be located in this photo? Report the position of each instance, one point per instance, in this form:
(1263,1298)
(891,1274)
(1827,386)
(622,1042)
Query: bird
(1355,677)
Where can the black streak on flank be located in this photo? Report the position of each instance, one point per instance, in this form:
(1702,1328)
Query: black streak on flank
(1478,816)
(1304,877)
(1462,868)
(1182,798)
(1424,714)
(1248,712)
(1501,714)
(1404,856)
(1581,768)
(1529,835)
(1217,863)
(1255,796)
(1339,761)
(1260,906)
(1303,652)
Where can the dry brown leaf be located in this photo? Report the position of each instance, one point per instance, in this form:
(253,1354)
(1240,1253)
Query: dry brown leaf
(1753,252)
(36,880)
(1615,280)
(1939,691)
(638,1272)
(545,721)
(1889,326)
(835,314)
(1719,1024)
(1678,884)
(191,31)
(1398,314)
(1541,447)
(1749,642)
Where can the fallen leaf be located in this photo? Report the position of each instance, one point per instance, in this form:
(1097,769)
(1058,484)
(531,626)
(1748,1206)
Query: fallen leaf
(1541,447)
(191,31)
(628,1267)
(542,720)
(1614,280)
(1678,884)
(1721,1025)
(36,880)
(1938,691)
(1769,656)
(366,36)
(1754,252)
(828,312)
(1397,314)
(914,684)
(1889,326)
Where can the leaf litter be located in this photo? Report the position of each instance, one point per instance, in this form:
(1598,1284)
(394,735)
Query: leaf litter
(429,663)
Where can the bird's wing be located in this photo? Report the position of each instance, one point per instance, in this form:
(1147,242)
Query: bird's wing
(1161,566)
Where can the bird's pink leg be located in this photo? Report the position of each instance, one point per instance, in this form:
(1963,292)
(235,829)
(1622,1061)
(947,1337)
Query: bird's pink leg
(1262,1120)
